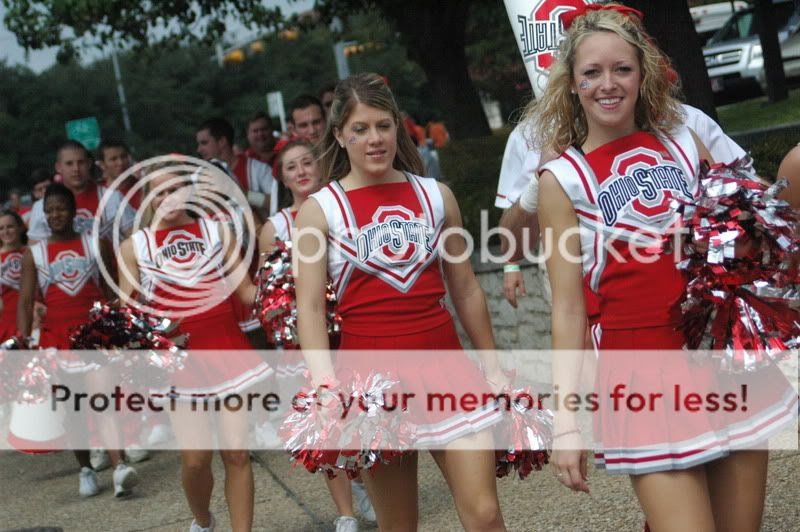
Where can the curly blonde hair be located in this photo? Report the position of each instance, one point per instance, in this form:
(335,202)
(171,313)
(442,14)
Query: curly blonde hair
(557,120)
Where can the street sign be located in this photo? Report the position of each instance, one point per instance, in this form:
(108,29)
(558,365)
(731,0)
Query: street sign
(86,131)
(275,107)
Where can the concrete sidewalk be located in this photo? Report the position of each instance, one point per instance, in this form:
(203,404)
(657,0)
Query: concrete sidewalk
(42,491)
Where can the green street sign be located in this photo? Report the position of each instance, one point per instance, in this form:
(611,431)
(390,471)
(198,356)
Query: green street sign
(86,131)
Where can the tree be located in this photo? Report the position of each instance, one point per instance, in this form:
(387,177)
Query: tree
(433,32)
(671,25)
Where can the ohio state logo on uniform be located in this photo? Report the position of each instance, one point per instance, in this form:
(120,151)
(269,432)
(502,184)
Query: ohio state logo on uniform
(395,236)
(641,185)
(70,271)
(11,270)
(180,248)
(84,220)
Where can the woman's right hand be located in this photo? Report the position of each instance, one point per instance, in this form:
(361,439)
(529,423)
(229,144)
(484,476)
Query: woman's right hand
(513,286)
(569,461)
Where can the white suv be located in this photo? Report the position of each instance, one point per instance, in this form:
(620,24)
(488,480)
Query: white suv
(733,55)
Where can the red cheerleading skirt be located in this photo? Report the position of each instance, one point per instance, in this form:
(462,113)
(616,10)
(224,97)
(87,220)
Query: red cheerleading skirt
(429,364)
(221,361)
(644,423)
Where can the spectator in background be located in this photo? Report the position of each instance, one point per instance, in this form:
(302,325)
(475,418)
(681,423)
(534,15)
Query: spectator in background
(14,202)
(437,132)
(260,139)
(415,131)
(215,141)
(326,97)
(114,158)
(73,163)
(430,159)
(307,118)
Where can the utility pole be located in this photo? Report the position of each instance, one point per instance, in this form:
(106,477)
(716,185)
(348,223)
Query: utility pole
(126,120)
(342,67)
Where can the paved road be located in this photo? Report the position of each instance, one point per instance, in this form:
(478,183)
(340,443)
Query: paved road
(42,491)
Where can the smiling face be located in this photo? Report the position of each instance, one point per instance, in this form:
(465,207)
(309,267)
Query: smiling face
(370,138)
(300,172)
(607,76)
(170,196)
(59,213)
(9,231)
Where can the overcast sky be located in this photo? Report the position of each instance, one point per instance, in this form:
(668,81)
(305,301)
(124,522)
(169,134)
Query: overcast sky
(37,60)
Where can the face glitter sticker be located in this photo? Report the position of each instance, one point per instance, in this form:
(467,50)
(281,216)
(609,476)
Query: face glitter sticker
(352,140)
(584,84)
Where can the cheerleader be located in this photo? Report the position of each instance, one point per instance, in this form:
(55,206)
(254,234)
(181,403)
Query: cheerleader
(390,297)
(178,265)
(609,107)
(296,166)
(13,238)
(66,268)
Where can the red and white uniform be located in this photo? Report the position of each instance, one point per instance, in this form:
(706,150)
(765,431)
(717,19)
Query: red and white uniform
(181,271)
(256,176)
(291,362)
(69,281)
(10,277)
(383,260)
(88,205)
(622,194)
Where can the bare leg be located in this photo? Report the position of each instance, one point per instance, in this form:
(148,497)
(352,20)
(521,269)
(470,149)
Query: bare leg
(192,433)
(198,483)
(342,495)
(102,381)
(239,485)
(471,477)
(738,485)
(675,500)
(393,491)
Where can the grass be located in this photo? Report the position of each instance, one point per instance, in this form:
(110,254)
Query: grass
(758,113)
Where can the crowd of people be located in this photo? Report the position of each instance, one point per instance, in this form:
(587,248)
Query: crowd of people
(347,160)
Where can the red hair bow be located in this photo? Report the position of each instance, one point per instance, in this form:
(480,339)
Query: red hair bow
(569,16)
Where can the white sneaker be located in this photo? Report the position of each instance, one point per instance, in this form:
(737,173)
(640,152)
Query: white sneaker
(136,454)
(99,459)
(267,438)
(210,528)
(159,434)
(125,478)
(87,486)
(363,504)
(344,523)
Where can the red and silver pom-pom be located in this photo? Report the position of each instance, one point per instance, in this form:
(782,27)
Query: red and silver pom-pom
(372,431)
(529,431)
(25,375)
(743,308)
(139,342)
(276,305)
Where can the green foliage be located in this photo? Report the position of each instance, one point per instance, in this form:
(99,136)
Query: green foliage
(471,168)
(758,113)
(768,153)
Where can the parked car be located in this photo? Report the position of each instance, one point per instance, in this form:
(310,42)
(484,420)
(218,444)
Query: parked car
(709,18)
(733,55)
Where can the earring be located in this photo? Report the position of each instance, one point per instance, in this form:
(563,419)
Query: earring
(341,144)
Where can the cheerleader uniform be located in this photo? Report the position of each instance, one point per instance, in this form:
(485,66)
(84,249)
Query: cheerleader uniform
(291,362)
(69,281)
(384,264)
(10,277)
(181,271)
(622,194)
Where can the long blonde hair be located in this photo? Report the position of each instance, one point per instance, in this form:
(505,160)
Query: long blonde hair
(557,120)
(369,89)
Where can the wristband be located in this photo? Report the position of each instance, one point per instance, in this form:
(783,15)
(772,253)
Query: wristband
(256,199)
(509,268)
